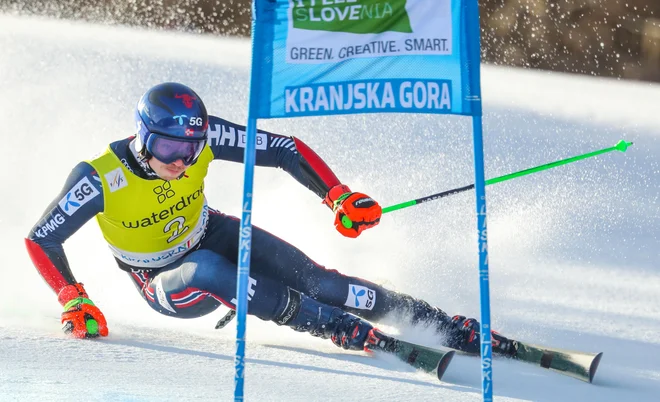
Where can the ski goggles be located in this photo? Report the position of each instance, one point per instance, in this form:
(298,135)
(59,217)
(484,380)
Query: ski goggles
(167,149)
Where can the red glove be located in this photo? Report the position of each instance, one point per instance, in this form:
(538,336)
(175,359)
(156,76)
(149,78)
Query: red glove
(81,318)
(354,212)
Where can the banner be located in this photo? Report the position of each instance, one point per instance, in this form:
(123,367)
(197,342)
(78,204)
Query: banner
(324,57)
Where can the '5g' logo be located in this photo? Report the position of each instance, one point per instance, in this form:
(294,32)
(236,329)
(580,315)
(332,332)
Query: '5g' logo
(78,196)
(196,121)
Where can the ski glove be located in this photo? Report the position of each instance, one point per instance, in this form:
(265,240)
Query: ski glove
(81,318)
(354,212)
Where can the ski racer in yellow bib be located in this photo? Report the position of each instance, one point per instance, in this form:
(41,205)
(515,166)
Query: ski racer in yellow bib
(154,232)
(147,194)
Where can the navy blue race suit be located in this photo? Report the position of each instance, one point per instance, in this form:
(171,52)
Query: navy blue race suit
(196,283)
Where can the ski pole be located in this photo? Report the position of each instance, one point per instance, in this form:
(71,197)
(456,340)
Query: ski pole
(620,146)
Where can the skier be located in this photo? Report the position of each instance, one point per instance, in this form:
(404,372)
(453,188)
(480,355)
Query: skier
(147,194)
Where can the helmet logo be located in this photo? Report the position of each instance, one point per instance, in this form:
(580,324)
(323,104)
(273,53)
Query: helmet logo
(179,119)
(189,132)
(187,100)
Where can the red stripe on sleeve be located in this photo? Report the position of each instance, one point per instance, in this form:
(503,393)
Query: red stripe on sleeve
(45,266)
(315,161)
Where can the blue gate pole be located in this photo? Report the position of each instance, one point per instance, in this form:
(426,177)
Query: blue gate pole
(484,288)
(245,234)
(244,248)
(474,49)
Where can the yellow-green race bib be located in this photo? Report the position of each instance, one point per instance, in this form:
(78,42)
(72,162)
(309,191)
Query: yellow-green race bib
(150,223)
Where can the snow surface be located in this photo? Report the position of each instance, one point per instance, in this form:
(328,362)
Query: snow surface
(573,251)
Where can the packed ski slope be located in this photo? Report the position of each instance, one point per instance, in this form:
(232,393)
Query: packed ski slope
(573,251)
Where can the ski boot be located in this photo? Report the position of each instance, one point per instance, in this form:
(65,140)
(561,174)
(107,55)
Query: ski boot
(502,345)
(305,314)
(466,337)
(459,332)
(379,339)
(454,334)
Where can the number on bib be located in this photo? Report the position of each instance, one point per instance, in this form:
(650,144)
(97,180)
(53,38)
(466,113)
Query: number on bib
(178,230)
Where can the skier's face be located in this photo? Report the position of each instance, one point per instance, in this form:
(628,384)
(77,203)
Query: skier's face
(169,171)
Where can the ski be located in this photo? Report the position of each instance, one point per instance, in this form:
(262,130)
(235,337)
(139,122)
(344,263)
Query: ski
(429,360)
(580,365)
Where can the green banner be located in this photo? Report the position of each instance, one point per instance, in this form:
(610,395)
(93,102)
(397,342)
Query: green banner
(353,16)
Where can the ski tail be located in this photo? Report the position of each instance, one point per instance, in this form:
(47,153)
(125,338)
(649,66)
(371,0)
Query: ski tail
(429,360)
(443,364)
(580,365)
(594,366)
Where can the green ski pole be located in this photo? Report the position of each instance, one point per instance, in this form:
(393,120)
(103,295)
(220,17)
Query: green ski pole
(620,146)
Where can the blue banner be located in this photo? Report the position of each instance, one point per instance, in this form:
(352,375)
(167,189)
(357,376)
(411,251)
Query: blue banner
(324,57)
